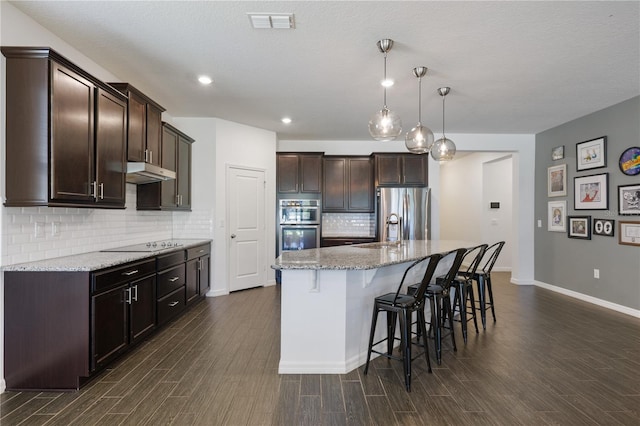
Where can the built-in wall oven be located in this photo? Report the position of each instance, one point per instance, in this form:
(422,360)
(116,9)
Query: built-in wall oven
(299,224)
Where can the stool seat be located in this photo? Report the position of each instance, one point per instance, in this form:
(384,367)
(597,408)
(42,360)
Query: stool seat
(402,301)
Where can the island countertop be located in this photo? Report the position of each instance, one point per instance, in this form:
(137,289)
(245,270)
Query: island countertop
(364,256)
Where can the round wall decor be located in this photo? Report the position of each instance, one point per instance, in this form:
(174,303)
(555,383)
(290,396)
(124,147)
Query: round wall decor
(630,161)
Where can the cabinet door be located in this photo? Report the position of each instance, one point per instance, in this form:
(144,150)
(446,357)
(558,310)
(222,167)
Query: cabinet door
(72,141)
(415,169)
(111,120)
(335,177)
(360,185)
(192,280)
(287,173)
(388,169)
(137,128)
(184,174)
(169,161)
(204,284)
(143,307)
(109,325)
(154,135)
(311,173)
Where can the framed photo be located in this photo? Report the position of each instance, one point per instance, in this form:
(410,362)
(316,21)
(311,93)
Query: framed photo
(629,199)
(557,180)
(629,233)
(630,161)
(557,216)
(591,154)
(579,227)
(591,192)
(604,227)
(557,153)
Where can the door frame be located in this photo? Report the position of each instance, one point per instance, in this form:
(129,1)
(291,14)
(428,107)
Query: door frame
(227,232)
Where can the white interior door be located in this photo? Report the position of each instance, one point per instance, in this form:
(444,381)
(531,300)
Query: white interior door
(246,238)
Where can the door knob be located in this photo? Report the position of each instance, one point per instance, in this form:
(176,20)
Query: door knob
(233,235)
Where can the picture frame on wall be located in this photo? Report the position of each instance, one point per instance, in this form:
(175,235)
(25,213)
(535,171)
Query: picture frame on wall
(579,227)
(557,180)
(604,227)
(591,154)
(557,216)
(629,233)
(629,199)
(591,192)
(557,153)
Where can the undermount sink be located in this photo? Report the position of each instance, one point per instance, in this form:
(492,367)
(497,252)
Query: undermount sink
(380,245)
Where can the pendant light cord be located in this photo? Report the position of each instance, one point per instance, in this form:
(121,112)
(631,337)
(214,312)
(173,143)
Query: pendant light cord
(384,87)
(419,101)
(443,135)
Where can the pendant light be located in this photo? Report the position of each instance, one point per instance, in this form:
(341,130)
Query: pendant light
(385,125)
(419,139)
(443,149)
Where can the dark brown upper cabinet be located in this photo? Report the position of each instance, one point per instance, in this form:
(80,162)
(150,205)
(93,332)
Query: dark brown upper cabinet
(401,169)
(298,173)
(174,194)
(65,133)
(348,184)
(144,131)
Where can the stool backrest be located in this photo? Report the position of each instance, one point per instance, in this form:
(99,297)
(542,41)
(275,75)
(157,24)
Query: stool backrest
(472,259)
(426,279)
(491,255)
(454,269)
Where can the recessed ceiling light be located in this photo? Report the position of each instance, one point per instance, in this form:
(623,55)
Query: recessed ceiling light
(286,120)
(387,83)
(203,79)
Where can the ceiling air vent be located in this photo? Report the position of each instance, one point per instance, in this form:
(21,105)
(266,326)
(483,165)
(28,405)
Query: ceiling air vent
(272,20)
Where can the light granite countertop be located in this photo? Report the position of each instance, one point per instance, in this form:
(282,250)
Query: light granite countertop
(96,260)
(365,256)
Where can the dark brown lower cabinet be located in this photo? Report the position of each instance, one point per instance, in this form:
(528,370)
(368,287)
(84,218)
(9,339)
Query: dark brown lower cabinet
(198,259)
(122,314)
(63,327)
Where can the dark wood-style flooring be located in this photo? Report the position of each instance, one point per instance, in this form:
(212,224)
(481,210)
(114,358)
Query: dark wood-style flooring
(548,360)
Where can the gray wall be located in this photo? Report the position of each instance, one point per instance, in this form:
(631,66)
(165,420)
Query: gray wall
(569,263)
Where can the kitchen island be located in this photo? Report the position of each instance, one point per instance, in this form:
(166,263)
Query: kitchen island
(327,299)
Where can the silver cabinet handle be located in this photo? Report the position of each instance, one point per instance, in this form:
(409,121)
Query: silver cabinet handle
(135,293)
(233,235)
(201,251)
(151,156)
(128,296)
(174,279)
(172,304)
(101,191)
(94,190)
(135,271)
(199,263)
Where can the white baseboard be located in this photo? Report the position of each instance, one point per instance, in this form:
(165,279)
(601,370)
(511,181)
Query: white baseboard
(502,268)
(270,283)
(521,282)
(590,299)
(216,293)
(3,385)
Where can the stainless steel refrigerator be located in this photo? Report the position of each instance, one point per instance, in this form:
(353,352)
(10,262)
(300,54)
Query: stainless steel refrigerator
(403,214)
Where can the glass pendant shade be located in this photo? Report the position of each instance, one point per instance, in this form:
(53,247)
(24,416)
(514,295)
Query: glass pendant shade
(443,149)
(385,125)
(419,139)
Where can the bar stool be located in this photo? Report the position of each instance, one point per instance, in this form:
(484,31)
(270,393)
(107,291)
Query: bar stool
(403,304)
(439,300)
(463,288)
(483,279)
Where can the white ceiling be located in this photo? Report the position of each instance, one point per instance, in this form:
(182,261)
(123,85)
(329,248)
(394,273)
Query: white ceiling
(514,67)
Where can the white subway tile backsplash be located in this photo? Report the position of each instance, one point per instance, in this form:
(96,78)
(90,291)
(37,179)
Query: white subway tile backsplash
(349,225)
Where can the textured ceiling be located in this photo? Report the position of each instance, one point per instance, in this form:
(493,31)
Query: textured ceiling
(514,67)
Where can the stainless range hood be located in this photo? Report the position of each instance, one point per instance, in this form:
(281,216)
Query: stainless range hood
(140,173)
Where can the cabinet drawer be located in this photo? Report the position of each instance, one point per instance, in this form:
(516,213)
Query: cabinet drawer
(170,280)
(171,305)
(170,259)
(122,274)
(194,252)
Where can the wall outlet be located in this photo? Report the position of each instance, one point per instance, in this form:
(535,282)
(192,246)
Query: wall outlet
(596,274)
(539,223)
